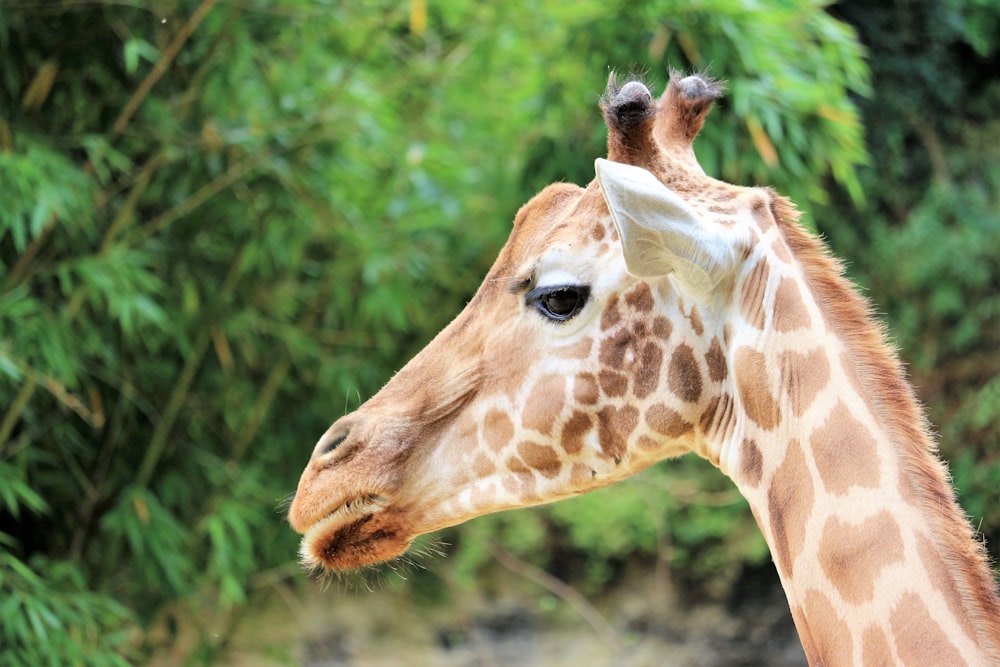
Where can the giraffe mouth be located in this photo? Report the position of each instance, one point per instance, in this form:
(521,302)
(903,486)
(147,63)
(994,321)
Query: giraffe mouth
(353,535)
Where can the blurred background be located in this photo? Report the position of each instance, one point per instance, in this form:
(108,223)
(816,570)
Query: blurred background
(223,224)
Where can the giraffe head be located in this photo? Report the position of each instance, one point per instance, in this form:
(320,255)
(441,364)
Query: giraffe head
(595,347)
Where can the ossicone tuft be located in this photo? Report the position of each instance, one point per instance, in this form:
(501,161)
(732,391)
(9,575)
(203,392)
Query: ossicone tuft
(683,109)
(629,112)
(657,134)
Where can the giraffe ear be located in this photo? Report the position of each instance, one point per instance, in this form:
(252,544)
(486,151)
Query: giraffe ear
(660,233)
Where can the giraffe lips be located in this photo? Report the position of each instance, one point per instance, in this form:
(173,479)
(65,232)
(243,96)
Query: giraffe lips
(353,535)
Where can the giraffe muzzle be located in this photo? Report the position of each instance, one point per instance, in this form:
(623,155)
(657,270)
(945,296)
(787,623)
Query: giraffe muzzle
(355,534)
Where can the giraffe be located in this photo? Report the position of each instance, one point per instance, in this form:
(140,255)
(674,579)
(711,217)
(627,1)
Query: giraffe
(655,312)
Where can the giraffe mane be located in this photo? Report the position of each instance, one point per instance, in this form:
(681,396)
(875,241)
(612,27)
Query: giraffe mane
(866,337)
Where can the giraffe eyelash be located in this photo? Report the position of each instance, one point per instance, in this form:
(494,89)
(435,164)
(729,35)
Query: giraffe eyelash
(522,284)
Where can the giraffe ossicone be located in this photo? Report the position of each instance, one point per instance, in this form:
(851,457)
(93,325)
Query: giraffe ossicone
(655,312)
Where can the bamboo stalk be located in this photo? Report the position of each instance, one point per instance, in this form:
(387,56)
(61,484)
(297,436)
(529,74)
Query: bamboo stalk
(15,409)
(158,442)
(262,406)
(206,192)
(161,66)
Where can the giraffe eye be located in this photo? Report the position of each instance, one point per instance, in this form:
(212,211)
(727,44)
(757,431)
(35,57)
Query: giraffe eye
(559,303)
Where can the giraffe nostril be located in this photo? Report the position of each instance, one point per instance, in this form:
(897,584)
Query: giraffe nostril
(333,442)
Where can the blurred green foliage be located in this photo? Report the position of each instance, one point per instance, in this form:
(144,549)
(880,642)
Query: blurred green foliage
(682,514)
(222,225)
(927,245)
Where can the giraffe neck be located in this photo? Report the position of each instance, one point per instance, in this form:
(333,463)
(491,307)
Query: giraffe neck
(833,454)
(869,578)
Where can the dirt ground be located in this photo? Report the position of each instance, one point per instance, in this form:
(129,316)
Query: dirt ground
(517,622)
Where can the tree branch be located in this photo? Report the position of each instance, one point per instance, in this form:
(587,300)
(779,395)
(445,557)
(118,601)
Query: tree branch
(558,588)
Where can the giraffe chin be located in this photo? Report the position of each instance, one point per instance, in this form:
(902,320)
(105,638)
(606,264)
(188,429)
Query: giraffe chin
(352,536)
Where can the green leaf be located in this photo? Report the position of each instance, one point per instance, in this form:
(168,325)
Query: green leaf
(136,48)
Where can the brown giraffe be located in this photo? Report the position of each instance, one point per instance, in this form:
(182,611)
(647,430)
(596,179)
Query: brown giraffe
(655,312)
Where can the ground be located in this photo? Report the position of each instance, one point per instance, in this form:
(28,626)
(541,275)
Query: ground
(517,623)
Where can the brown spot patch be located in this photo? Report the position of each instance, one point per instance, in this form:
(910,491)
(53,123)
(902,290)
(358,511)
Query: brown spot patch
(580,475)
(875,649)
(667,421)
(762,214)
(845,452)
(803,376)
(705,421)
(718,415)
(684,376)
(849,366)
(598,231)
(751,463)
(640,298)
(585,389)
(527,489)
(482,466)
(575,430)
(853,556)
(802,628)
(542,458)
(545,403)
(789,504)
(662,327)
(514,464)
(906,490)
(920,640)
(780,249)
(716,360)
(647,373)
(648,444)
(832,642)
(750,367)
(612,314)
(695,319)
(613,349)
(752,294)
(614,427)
(789,310)
(613,384)
(938,573)
(498,429)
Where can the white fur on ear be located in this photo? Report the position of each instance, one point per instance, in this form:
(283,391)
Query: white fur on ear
(660,233)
